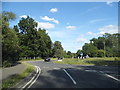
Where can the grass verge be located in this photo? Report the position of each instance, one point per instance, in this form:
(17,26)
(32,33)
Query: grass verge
(92,61)
(14,80)
(31,60)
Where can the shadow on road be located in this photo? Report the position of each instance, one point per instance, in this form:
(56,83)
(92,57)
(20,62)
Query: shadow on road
(59,79)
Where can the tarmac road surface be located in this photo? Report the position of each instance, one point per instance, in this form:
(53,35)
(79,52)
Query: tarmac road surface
(75,76)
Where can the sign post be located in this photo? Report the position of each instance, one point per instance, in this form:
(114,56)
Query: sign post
(81,54)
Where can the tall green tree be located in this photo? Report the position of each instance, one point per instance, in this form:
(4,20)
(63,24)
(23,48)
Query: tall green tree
(89,49)
(10,41)
(34,43)
(28,33)
(45,43)
(57,49)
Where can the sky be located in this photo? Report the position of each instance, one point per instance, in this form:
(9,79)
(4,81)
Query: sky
(71,23)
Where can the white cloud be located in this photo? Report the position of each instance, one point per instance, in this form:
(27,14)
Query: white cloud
(23,16)
(46,18)
(57,34)
(92,34)
(53,10)
(96,20)
(81,39)
(105,29)
(109,2)
(45,25)
(109,29)
(71,27)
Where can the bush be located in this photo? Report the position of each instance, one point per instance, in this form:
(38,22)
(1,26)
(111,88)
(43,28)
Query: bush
(6,64)
(100,53)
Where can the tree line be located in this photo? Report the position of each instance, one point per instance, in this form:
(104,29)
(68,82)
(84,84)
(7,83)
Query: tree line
(103,46)
(26,40)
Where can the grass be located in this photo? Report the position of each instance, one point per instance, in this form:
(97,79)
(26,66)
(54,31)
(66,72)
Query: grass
(53,58)
(92,61)
(14,80)
(37,59)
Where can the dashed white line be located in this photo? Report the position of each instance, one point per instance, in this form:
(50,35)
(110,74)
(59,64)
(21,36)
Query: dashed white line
(70,76)
(91,70)
(110,76)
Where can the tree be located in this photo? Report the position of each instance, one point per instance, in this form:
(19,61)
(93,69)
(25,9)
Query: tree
(10,41)
(34,43)
(10,46)
(57,49)
(16,28)
(45,43)
(89,49)
(78,52)
(28,33)
(100,53)
(69,54)
(108,43)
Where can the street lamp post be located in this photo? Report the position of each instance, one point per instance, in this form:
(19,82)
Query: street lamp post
(104,48)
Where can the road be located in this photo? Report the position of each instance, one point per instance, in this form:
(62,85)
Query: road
(75,76)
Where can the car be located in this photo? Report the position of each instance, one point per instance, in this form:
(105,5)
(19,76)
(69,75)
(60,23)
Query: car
(59,58)
(47,59)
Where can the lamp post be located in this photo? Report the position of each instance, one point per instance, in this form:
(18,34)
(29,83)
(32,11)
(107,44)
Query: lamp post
(104,44)
(104,48)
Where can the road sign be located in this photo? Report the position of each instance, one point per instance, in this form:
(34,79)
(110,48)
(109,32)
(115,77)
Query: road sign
(81,54)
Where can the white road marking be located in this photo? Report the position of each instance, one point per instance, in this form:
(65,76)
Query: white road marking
(45,67)
(31,79)
(56,68)
(70,76)
(91,70)
(110,76)
(36,78)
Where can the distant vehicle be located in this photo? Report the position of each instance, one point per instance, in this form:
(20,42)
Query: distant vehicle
(59,58)
(47,59)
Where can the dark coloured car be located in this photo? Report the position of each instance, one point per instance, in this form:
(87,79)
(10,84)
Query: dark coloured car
(47,59)
(59,58)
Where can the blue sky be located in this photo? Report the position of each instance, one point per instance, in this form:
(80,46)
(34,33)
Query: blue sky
(71,23)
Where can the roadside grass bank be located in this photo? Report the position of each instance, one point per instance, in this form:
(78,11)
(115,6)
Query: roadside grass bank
(54,58)
(37,59)
(113,61)
(17,78)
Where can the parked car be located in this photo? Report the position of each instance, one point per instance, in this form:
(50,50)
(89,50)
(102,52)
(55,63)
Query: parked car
(47,59)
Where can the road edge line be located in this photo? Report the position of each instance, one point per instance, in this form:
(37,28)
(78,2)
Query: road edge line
(31,79)
(35,78)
